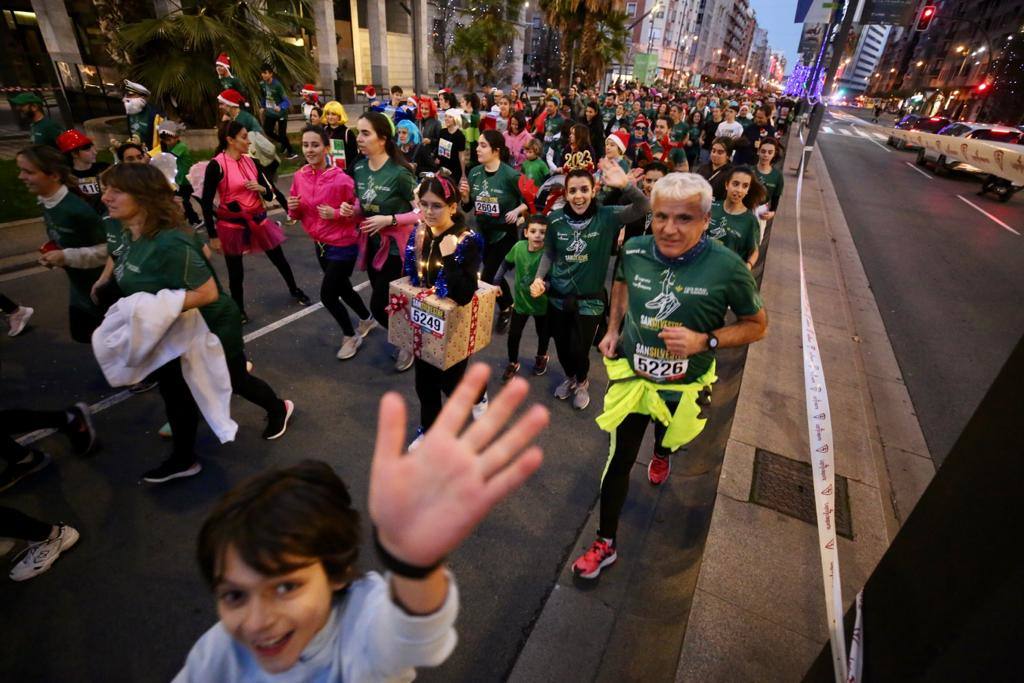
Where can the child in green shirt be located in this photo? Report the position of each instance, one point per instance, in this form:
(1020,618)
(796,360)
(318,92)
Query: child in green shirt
(535,168)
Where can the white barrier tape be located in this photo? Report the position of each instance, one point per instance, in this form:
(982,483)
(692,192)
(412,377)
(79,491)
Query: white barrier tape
(1001,160)
(855,667)
(819,432)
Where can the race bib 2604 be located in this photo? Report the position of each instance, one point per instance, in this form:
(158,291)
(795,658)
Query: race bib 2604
(487,206)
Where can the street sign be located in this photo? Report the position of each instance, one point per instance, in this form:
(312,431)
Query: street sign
(888,12)
(645,68)
(814,11)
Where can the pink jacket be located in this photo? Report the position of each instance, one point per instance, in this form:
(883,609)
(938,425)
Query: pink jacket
(331,186)
(399,233)
(517,146)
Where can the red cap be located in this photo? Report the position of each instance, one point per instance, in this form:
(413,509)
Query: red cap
(309,89)
(370,92)
(223,60)
(641,119)
(231,97)
(70,140)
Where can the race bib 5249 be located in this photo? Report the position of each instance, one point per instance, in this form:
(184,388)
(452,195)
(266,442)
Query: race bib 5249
(426,318)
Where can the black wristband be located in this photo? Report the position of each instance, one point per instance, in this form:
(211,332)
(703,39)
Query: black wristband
(400,568)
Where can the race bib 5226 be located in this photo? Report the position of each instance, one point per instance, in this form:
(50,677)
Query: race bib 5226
(660,369)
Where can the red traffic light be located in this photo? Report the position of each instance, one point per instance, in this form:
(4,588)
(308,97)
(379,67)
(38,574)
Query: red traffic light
(982,87)
(924,19)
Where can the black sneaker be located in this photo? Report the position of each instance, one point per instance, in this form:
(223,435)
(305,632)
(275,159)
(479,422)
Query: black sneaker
(540,365)
(16,471)
(504,318)
(80,431)
(143,386)
(277,424)
(301,297)
(172,468)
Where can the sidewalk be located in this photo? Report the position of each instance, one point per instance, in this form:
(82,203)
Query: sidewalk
(758,611)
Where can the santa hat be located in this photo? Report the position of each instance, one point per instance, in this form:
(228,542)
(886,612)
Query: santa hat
(412,103)
(621,140)
(231,98)
(224,61)
(370,92)
(641,120)
(309,89)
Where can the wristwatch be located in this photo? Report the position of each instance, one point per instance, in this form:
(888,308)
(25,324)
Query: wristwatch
(394,220)
(712,341)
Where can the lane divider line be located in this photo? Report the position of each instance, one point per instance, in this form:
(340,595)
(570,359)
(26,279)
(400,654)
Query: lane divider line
(914,166)
(999,222)
(121,396)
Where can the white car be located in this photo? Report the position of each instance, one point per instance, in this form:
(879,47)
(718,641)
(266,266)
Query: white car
(1003,135)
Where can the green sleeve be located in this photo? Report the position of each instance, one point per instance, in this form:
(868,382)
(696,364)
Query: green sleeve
(620,271)
(753,236)
(406,185)
(510,256)
(744,298)
(183,263)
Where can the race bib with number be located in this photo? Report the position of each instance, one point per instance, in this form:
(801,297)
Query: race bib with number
(426,319)
(659,369)
(487,206)
(338,153)
(444,148)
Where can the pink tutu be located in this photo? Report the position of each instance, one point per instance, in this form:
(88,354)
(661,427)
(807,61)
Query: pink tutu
(252,237)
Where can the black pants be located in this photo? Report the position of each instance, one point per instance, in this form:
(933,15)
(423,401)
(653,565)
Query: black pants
(15,524)
(515,334)
(336,288)
(18,421)
(183,413)
(380,282)
(185,192)
(431,384)
(83,323)
(624,447)
(236,273)
(6,305)
(494,254)
(573,334)
(277,130)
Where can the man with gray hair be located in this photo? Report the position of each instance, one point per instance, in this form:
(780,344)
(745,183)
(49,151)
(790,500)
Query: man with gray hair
(670,296)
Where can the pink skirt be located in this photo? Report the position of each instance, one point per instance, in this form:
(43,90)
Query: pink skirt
(237,240)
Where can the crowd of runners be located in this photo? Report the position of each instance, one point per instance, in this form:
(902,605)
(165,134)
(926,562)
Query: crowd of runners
(624,221)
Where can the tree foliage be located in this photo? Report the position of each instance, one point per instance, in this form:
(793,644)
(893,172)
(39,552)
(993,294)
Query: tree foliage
(594,32)
(173,55)
(483,45)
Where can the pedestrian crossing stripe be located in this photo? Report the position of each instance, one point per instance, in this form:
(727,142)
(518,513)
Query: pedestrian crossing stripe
(828,129)
(845,131)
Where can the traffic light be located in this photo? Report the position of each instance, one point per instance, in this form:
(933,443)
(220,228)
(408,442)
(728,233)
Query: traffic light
(982,87)
(924,19)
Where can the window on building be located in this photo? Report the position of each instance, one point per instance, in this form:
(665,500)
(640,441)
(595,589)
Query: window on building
(631,9)
(342,10)
(536,21)
(361,11)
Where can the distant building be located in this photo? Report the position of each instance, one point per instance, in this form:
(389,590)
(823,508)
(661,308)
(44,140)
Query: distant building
(856,71)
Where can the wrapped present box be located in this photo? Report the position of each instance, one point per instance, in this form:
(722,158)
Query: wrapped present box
(439,331)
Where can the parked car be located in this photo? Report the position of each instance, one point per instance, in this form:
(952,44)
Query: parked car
(930,124)
(971,131)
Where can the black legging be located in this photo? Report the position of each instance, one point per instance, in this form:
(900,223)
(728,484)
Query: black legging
(380,283)
(7,306)
(494,255)
(236,273)
(183,413)
(515,334)
(15,524)
(431,383)
(623,448)
(573,334)
(17,421)
(337,287)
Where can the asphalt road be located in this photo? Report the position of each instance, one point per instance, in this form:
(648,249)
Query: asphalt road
(127,602)
(948,279)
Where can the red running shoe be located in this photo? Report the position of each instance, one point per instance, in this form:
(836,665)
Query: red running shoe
(599,555)
(658,469)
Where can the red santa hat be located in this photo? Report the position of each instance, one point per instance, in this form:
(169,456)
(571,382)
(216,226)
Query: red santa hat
(224,61)
(370,92)
(621,140)
(309,89)
(231,98)
(641,120)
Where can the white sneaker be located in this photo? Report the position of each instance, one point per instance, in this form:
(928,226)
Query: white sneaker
(580,395)
(480,408)
(38,557)
(349,346)
(404,362)
(19,319)
(565,388)
(365,327)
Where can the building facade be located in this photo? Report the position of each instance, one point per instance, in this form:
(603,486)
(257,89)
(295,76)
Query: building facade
(855,75)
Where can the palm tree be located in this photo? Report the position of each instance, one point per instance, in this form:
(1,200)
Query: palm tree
(481,45)
(591,31)
(609,46)
(173,55)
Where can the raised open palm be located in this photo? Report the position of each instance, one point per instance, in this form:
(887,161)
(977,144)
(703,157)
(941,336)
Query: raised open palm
(425,503)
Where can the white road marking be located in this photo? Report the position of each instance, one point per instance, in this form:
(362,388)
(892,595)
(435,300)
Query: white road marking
(828,129)
(18,274)
(926,175)
(1002,224)
(879,136)
(121,396)
(845,131)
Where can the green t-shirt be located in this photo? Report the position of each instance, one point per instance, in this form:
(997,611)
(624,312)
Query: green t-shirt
(172,259)
(386,191)
(231,83)
(607,115)
(471,127)
(526,263)
(185,162)
(73,224)
(45,132)
(536,170)
(582,250)
(772,181)
(695,295)
(740,232)
(552,126)
(248,121)
(273,93)
(493,195)
(680,131)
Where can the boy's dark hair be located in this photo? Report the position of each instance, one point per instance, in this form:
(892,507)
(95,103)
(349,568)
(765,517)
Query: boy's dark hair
(396,90)
(657,166)
(124,147)
(283,520)
(265,68)
(538,218)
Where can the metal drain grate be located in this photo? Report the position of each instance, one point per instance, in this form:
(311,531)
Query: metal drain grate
(785,485)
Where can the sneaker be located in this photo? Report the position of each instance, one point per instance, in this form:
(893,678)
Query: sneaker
(540,365)
(277,425)
(172,468)
(504,317)
(404,362)
(143,386)
(480,407)
(510,371)
(19,319)
(165,432)
(580,395)
(365,327)
(80,430)
(300,297)
(16,471)
(292,156)
(249,365)
(38,557)
(245,318)
(415,443)
(565,388)
(349,346)
(658,469)
(599,555)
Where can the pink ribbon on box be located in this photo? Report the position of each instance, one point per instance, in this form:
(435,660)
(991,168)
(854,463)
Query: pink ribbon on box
(473,311)
(397,303)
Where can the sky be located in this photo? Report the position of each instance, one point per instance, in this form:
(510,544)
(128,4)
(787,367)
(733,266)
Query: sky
(783,35)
